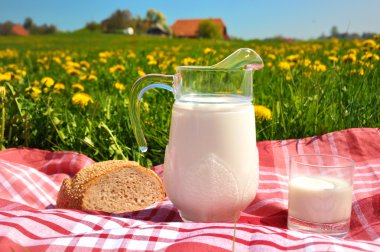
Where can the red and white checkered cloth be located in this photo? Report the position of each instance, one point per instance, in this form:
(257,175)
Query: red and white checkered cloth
(30,180)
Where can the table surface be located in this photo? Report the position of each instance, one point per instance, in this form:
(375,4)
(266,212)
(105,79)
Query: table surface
(31,178)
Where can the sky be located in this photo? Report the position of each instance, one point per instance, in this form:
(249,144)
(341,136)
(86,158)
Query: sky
(246,19)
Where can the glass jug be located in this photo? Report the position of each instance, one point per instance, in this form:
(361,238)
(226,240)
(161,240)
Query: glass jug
(211,160)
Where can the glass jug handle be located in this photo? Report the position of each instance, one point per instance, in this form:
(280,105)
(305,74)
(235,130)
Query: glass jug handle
(142,85)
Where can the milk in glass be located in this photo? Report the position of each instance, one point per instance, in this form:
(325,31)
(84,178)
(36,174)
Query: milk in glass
(320,199)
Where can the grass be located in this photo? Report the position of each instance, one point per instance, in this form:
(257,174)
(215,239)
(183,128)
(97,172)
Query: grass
(310,88)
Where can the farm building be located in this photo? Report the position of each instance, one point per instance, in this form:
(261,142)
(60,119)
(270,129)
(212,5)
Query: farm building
(187,28)
(157,30)
(19,30)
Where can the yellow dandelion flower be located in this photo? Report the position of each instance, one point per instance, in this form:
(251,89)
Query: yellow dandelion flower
(284,65)
(92,77)
(152,62)
(370,56)
(72,64)
(131,55)
(85,64)
(140,72)
(349,58)
(319,67)
(105,54)
(333,59)
(89,77)
(288,77)
(263,113)
(10,74)
(146,106)
(57,60)
(361,71)
(116,68)
(3,92)
(36,83)
(352,51)
(330,53)
(47,81)
(209,51)
(78,86)
(58,87)
(306,62)
(165,64)
(151,59)
(8,53)
(269,64)
(293,58)
(271,56)
(102,54)
(33,92)
(17,77)
(119,86)
(175,66)
(5,77)
(42,60)
(188,61)
(73,71)
(81,99)
(22,72)
(103,60)
(366,64)
(369,43)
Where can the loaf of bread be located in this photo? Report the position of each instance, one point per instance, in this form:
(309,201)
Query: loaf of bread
(115,186)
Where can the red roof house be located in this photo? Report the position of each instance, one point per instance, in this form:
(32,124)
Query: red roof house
(19,30)
(188,27)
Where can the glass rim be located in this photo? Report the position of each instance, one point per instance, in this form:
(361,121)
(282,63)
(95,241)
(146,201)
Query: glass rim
(348,162)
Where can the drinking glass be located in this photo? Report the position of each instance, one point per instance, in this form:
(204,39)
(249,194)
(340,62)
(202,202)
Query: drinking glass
(320,194)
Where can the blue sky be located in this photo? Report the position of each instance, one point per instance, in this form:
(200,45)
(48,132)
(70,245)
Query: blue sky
(244,18)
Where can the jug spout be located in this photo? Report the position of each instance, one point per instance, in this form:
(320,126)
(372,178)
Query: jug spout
(245,58)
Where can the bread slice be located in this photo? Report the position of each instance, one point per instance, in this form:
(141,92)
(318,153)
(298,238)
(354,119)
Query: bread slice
(115,186)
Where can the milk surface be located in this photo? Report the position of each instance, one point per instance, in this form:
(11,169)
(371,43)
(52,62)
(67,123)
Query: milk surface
(320,199)
(211,162)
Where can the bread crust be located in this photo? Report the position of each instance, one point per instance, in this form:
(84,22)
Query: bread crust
(73,190)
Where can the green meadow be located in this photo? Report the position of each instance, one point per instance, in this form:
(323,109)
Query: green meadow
(71,91)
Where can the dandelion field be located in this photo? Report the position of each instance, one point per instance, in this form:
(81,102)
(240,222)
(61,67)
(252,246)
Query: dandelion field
(70,91)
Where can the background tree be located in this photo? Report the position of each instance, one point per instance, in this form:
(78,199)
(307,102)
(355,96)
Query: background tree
(44,29)
(6,28)
(28,23)
(118,21)
(334,32)
(208,29)
(93,26)
(139,25)
(38,29)
(154,17)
